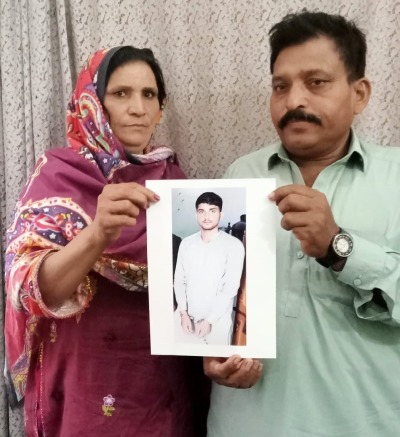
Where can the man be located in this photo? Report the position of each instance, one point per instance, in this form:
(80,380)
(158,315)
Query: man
(207,278)
(239,228)
(338,252)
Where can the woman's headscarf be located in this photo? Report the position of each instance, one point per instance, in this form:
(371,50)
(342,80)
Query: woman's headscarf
(59,200)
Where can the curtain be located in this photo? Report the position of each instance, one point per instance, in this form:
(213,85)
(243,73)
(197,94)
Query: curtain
(215,58)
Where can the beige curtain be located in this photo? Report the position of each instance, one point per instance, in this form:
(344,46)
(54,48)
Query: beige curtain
(215,58)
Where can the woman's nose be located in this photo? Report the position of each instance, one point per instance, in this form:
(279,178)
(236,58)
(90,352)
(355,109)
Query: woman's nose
(136,106)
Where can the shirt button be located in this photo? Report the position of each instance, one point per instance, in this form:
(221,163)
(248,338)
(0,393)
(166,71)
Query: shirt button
(357,282)
(300,254)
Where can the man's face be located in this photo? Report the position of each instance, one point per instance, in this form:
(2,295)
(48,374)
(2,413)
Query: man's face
(312,78)
(208,216)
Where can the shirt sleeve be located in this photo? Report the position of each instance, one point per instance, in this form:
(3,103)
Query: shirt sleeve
(24,292)
(370,269)
(180,280)
(42,225)
(230,282)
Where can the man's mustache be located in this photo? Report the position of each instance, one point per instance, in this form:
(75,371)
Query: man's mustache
(298,115)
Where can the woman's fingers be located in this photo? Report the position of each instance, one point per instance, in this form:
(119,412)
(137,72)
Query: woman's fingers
(118,206)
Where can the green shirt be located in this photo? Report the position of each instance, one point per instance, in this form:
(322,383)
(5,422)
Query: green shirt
(337,371)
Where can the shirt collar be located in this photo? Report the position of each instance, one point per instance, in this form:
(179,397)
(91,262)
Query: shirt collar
(355,157)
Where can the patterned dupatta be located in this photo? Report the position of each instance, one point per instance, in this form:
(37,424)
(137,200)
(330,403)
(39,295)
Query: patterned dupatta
(58,201)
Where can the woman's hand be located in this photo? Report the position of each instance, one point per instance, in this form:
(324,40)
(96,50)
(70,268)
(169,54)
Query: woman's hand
(233,372)
(118,206)
(63,271)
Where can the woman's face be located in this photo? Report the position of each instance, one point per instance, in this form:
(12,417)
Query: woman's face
(132,105)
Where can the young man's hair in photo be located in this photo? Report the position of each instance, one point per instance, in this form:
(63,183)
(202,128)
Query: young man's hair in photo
(209,198)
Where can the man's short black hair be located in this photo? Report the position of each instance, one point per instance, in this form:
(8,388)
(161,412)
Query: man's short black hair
(298,28)
(209,198)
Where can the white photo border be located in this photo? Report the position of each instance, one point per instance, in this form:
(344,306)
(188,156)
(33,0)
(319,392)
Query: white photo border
(260,270)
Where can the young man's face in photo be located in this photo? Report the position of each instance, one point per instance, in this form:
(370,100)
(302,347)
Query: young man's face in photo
(208,216)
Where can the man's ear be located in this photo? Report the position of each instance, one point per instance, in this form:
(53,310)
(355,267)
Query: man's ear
(362,89)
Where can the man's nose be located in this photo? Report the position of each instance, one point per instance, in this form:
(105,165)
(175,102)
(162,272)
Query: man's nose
(296,97)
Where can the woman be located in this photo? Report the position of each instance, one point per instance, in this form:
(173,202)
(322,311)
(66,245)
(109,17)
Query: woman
(77,324)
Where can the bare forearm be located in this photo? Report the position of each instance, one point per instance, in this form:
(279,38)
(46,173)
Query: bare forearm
(63,271)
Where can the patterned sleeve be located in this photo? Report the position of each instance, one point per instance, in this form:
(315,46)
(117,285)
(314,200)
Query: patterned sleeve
(42,226)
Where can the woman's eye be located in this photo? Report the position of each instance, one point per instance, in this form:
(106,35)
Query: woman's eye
(149,94)
(120,93)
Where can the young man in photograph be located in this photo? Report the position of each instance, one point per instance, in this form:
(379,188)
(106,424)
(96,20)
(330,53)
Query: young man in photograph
(207,278)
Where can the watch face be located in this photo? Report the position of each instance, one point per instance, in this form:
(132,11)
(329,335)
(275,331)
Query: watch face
(343,245)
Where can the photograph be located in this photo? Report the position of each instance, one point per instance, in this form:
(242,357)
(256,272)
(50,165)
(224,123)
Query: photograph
(208,263)
(210,243)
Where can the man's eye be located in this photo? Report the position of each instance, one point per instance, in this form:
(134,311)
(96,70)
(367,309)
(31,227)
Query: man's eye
(317,82)
(278,87)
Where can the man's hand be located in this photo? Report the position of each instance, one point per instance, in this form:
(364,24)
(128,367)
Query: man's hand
(234,372)
(186,323)
(202,328)
(306,212)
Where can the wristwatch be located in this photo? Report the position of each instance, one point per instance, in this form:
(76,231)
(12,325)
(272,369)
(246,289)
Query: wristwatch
(340,247)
